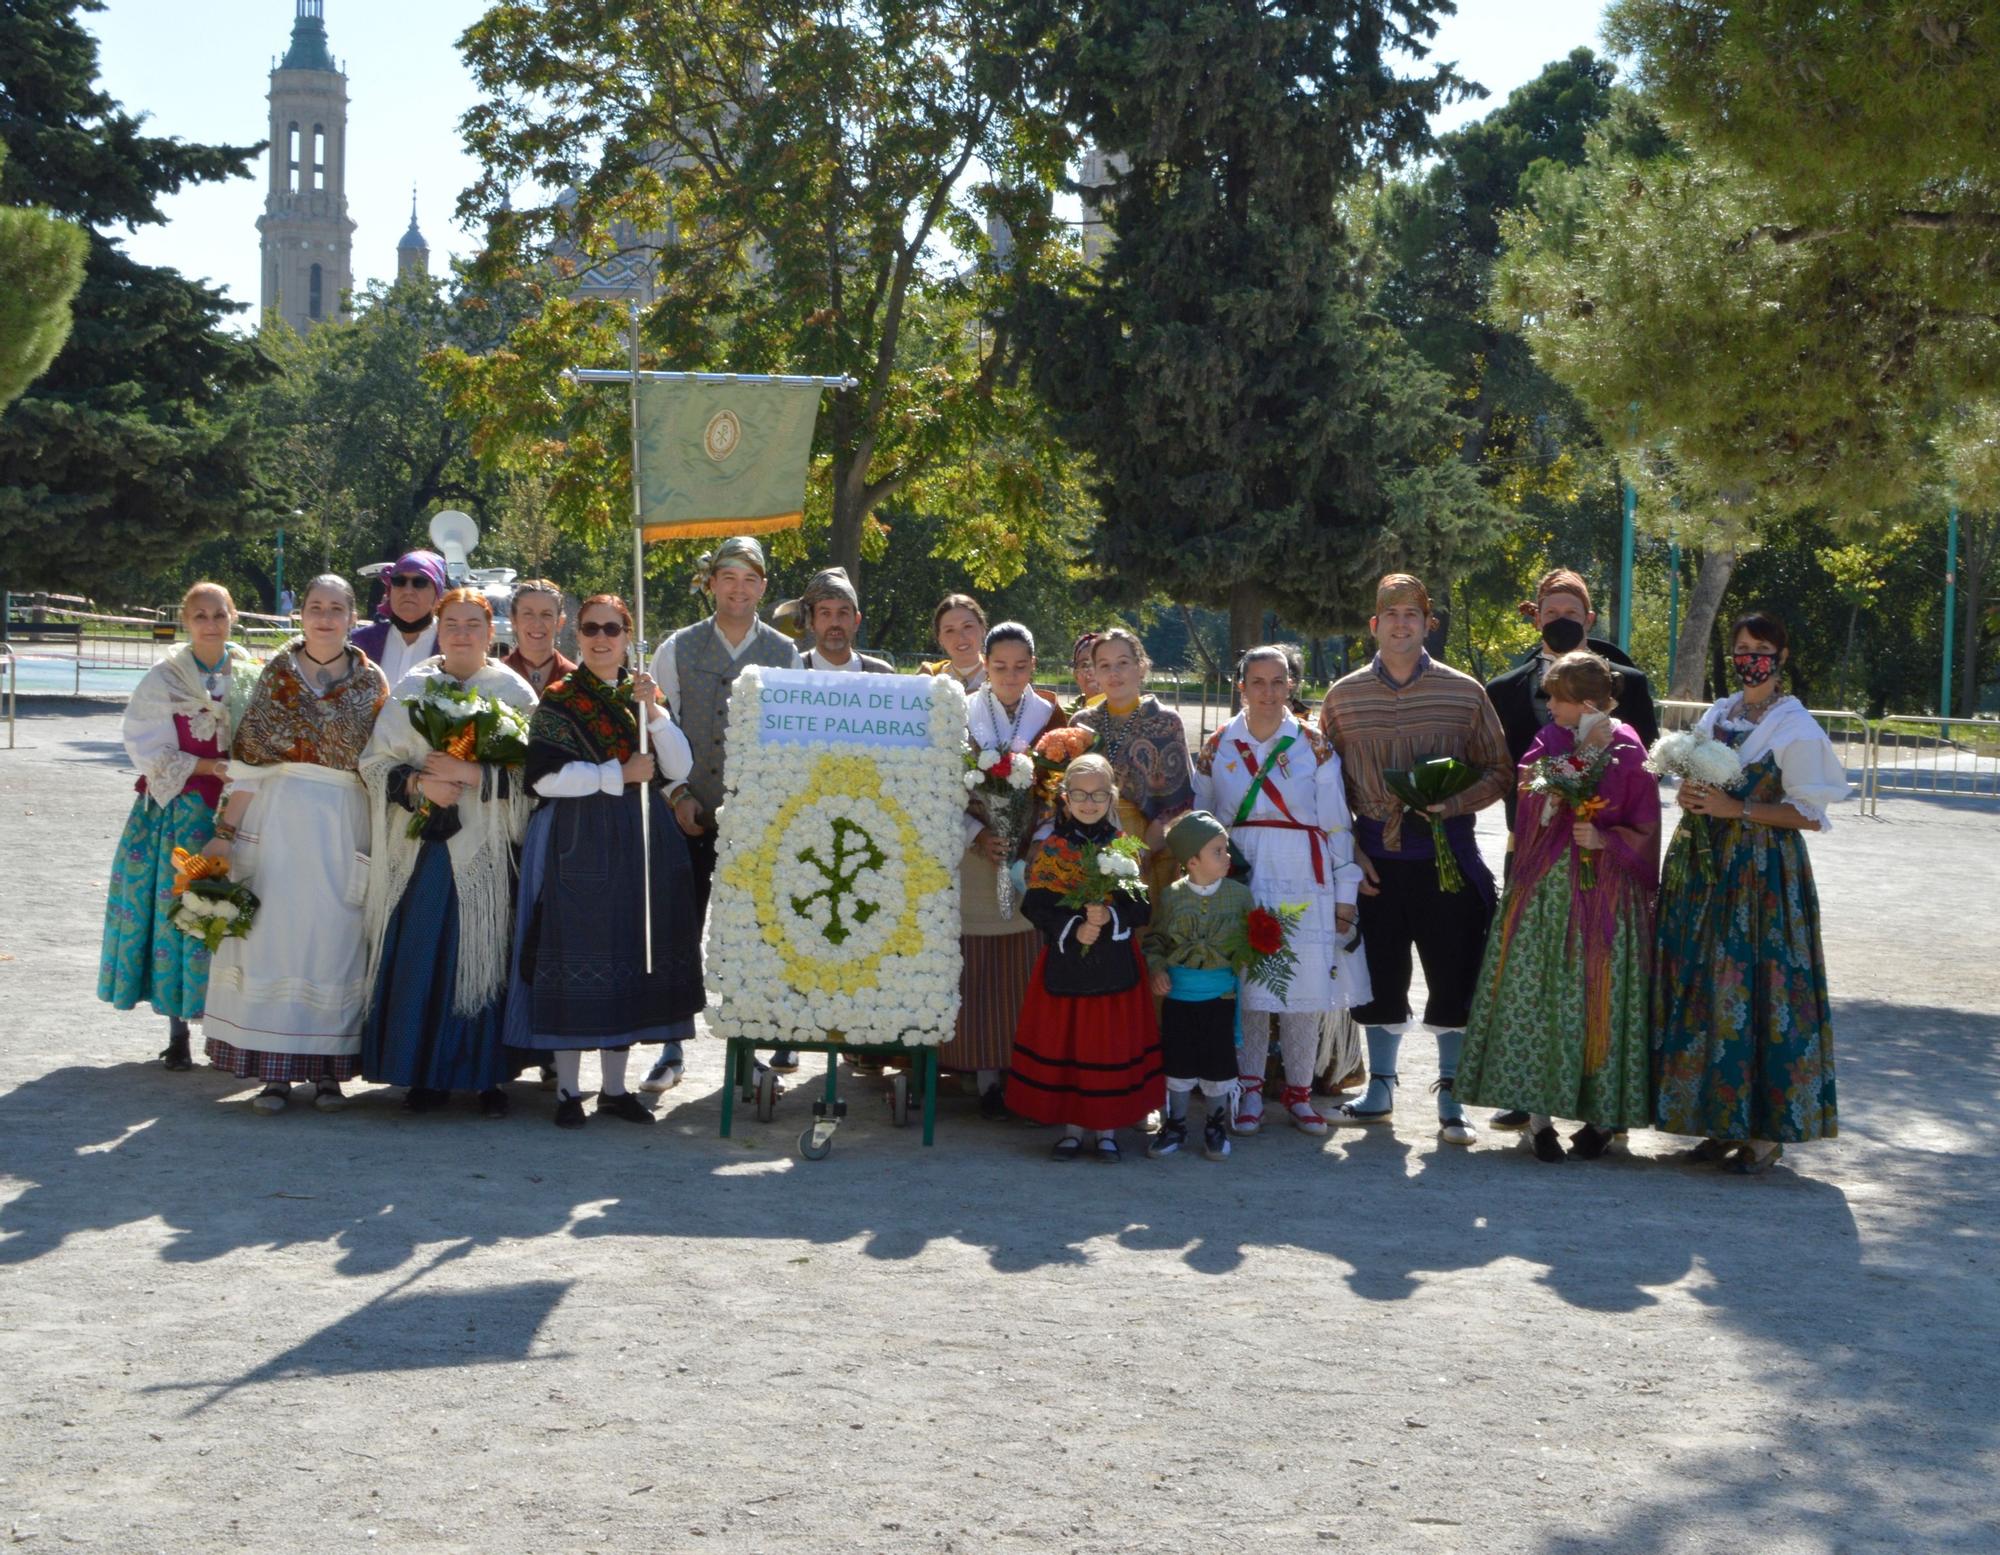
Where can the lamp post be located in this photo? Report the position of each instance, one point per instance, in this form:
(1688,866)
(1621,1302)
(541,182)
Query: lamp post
(278,570)
(1673,610)
(1950,614)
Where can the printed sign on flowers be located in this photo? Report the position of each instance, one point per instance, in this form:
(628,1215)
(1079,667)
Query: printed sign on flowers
(836,890)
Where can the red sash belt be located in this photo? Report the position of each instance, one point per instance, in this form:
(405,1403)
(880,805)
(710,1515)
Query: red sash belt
(1319,857)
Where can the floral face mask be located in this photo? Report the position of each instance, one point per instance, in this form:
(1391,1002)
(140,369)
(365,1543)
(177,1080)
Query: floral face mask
(1753,669)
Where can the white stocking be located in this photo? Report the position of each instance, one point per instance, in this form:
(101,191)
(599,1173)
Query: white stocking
(612,1067)
(1298,1046)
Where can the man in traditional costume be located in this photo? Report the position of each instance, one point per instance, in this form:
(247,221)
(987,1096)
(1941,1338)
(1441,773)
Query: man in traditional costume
(1400,709)
(695,669)
(1278,787)
(831,610)
(408,636)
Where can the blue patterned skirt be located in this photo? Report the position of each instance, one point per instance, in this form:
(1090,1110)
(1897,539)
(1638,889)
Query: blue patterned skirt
(413,1036)
(146,959)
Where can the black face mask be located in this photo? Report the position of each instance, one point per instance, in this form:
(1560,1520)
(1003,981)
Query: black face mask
(1562,635)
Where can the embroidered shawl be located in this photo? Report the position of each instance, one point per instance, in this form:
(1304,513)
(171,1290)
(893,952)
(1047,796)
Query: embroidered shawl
(289,721)
(1151,758)
(580,718)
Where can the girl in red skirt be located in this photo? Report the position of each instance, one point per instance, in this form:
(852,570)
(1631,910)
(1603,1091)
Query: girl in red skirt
(1087,1052)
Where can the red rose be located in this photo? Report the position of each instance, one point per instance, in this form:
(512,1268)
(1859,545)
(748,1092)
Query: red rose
(1267,934)
(1002,767)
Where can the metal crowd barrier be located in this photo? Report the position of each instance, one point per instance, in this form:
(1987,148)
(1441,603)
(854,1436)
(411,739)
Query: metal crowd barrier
(13,688)
(1930,743)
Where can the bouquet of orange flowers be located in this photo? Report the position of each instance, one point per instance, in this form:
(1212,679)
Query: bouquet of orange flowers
(210,906)
(1053,753)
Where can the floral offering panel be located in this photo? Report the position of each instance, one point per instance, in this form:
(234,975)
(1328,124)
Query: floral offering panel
(836,906)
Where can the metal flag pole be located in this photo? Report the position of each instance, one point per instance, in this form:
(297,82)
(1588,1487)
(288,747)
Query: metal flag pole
(631,376)
(639,605)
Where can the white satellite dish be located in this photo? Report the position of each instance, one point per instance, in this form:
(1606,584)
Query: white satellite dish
(456,536)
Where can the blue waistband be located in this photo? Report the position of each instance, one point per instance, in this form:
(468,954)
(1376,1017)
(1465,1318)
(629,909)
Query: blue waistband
(1194,984)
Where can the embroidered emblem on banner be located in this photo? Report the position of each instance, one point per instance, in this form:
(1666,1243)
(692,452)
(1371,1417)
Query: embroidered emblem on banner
(722,436)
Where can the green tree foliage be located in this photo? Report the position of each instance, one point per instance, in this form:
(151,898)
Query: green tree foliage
(41,266)
(129,449)
(1258,437)
(806,170)
(1436,236)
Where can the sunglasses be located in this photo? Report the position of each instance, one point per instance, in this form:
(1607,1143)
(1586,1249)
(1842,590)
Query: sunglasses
(410,580)
(601,629)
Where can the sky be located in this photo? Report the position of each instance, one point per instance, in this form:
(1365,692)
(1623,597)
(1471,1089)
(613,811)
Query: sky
(200,70)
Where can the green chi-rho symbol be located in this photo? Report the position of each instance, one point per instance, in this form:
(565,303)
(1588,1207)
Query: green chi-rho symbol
(854,853)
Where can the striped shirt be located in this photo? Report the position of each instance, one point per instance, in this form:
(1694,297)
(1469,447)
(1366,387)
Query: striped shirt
(1378,726)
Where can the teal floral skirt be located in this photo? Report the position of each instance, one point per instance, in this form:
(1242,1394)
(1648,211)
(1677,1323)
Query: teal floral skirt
(145,958)
(1742,1025)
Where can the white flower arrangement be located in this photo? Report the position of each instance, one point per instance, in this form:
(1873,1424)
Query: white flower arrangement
(1118,866)
(836,888)
(1693,755)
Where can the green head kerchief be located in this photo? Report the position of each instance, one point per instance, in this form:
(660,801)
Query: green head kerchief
(828,583)
(1193,832)
(737,551)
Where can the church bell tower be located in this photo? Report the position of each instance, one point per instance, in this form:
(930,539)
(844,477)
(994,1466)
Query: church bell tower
(308,239)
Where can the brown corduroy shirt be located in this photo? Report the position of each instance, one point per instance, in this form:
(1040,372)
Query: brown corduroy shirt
(1378,726)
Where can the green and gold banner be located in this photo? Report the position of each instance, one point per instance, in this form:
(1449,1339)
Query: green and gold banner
(723,458)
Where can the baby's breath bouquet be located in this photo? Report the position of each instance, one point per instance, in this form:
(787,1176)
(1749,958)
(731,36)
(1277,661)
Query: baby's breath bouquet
(1695,756)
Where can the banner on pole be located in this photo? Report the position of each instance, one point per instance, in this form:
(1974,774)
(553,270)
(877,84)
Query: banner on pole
(723,458)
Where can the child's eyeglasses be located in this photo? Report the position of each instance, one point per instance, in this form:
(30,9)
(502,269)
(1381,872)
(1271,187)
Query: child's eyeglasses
(1088,795)
(601,629)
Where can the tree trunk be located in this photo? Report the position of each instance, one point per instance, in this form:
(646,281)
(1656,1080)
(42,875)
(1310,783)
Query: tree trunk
(843,541)
(1704,604)
(1246,618)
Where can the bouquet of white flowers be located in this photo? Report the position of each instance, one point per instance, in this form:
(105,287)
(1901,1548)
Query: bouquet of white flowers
(1003,781)
(1695,756)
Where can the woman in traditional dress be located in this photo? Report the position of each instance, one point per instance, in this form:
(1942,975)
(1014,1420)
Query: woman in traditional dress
(996,940)
(1560,1023)
(176,729)
(1277,785)
(1742,1026)
(580,982)
(1146,746)
(285,1002)
(959,627)
(440,904)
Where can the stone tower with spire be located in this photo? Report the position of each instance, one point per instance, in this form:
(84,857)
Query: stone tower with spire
(308,239)
(413,254)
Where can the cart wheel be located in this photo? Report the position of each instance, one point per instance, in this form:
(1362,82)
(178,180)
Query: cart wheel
(811,1151)
(767,1095)
(899,1099)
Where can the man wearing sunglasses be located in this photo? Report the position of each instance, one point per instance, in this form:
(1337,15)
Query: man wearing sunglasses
(409,636)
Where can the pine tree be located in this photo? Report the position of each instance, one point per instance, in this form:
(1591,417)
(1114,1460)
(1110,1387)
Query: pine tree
(128,450)
(1261,438)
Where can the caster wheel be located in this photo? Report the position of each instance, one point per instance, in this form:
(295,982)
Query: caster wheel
(899,1099)
(811,1151)
(767,1095)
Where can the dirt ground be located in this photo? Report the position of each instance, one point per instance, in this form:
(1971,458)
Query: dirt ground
(221,1331)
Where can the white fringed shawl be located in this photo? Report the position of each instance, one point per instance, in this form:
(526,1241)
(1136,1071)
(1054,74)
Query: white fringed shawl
(173,688)
(481,851)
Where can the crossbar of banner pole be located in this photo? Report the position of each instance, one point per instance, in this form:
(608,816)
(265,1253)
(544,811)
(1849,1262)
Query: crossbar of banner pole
(781,380)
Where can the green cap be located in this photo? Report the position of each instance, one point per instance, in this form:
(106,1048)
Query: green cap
(1193,832)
